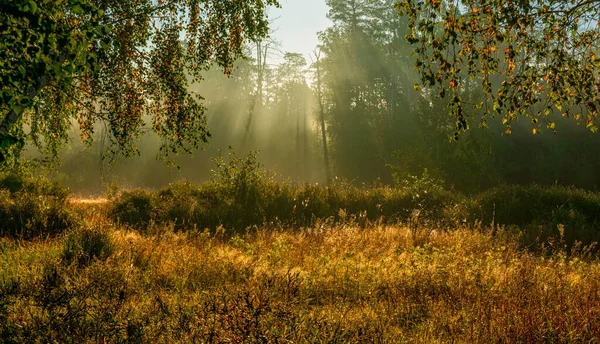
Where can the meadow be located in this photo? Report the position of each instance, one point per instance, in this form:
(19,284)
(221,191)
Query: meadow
(243,258)
(466,207)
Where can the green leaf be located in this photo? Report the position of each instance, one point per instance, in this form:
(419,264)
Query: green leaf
(25,102)
(7,141)
(77,9)
(16,108)
(32,6)
(497,105)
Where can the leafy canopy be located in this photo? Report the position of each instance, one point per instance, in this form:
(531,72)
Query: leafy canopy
(531,57)
(124,66)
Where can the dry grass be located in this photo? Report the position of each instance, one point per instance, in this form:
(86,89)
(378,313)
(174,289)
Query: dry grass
(341,284)
(87,201)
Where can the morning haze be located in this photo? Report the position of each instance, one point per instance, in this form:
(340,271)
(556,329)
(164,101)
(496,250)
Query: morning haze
(299,171)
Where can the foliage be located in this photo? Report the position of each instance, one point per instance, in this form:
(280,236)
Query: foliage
(531,58)
(243,198)
(426,203)
(114,62)
(241,178)
(242,194)
(365,76)
(132,207)
(84,246)
(23,181)
(44,44)
(33,208)
(370,111)
(541,211)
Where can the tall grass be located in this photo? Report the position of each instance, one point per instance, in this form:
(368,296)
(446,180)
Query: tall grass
(340,284)
(243,258)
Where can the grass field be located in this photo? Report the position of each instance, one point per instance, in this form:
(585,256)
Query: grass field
(342,282)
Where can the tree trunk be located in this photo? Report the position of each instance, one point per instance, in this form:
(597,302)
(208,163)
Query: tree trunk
(322,119)
(256,106)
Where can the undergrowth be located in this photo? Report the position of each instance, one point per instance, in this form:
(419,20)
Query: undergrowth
(243,258)
(242,195)
(34,207)
(336,284)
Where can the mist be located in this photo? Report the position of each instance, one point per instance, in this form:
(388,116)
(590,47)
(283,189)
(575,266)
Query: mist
(353,89)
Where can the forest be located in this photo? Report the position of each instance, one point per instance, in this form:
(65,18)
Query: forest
(356,94)
(427,173)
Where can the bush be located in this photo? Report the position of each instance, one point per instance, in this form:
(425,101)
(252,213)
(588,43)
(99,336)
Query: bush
(180,203)
(243,188)
(539,211)
(34,208)
(132,207)
(242,194)
(15,183)
(85,246)
(236,197)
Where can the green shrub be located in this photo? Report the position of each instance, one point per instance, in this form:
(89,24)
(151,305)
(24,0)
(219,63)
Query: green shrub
(179,203)
(132,207)
(540,210)
(34,208)
(241,195)
(15,183)
(521,205)
(242,185)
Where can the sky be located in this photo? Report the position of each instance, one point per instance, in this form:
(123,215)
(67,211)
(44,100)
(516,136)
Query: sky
(296,25)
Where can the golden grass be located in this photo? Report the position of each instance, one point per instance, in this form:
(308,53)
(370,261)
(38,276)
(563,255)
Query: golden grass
(87,201)
(328,284)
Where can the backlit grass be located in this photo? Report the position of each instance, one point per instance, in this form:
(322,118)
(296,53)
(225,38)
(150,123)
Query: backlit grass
(341,283)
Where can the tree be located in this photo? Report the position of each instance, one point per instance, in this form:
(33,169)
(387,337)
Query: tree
(364,86)
(264,49)
(293,96)
(115,62)
(534,59)
(319,91)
